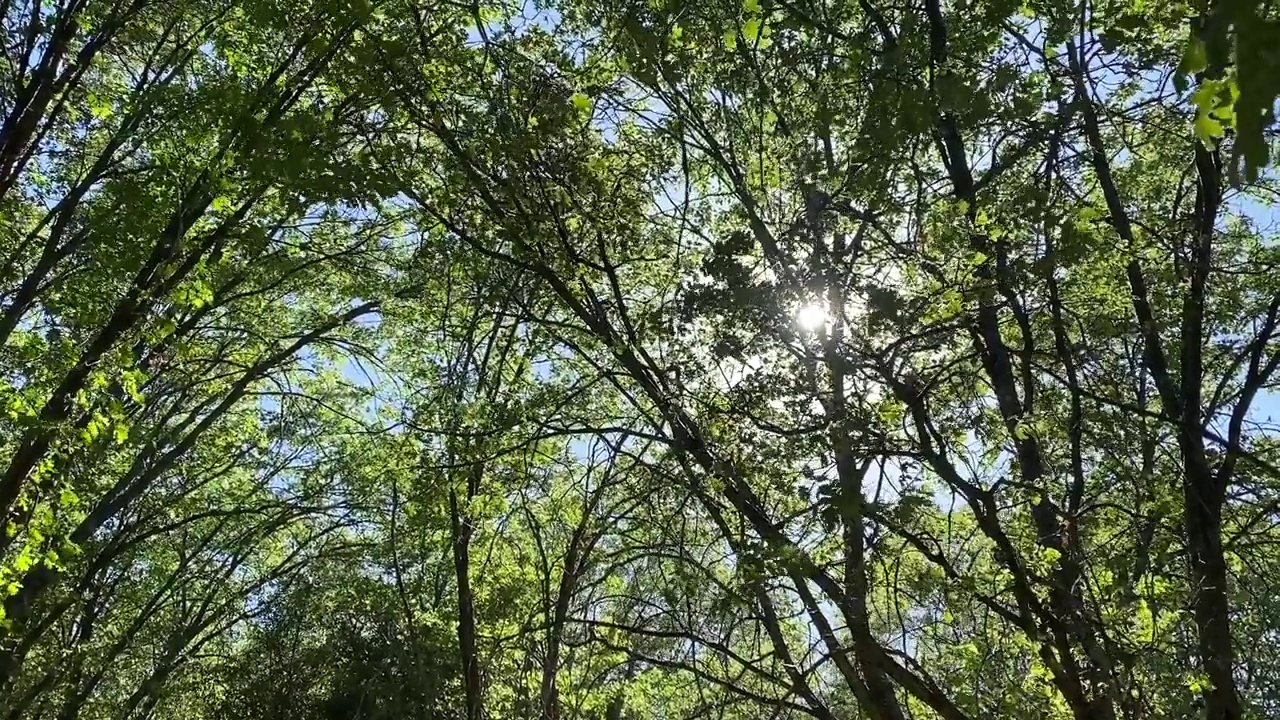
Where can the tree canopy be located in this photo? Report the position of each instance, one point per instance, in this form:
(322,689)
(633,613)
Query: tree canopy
(608,360)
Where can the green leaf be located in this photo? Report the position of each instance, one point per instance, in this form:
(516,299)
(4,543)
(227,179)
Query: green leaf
(1194,60)
(99,106)
(1207,128)
(68,498)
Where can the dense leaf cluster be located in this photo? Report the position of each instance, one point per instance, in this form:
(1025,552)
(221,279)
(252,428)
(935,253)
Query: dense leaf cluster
(606,360)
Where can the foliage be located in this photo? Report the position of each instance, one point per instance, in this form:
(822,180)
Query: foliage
(613,360)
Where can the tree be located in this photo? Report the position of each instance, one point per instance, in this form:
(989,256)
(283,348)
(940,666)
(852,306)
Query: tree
(609,360)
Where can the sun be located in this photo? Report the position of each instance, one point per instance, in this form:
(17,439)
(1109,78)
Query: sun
(811,318)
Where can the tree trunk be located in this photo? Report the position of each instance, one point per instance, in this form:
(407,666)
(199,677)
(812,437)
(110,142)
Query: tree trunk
(461,537)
